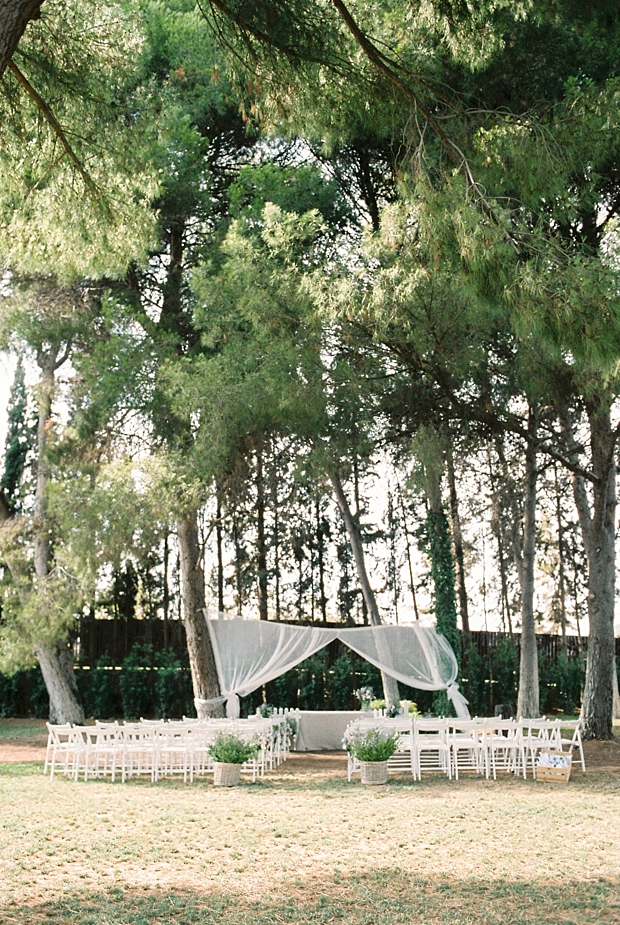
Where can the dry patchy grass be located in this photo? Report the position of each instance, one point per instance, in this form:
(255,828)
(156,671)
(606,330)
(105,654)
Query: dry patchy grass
(304,846)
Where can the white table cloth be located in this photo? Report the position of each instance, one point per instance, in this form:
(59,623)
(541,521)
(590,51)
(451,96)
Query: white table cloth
(324,730)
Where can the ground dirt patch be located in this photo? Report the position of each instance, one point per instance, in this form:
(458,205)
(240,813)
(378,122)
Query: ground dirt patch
(304,846)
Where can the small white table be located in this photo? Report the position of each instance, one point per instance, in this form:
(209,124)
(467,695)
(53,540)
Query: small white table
(323,730)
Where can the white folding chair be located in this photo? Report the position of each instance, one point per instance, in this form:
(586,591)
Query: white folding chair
(62,748)
(505,750)
(430,747)
(536,738)
(573,742)
(468,746)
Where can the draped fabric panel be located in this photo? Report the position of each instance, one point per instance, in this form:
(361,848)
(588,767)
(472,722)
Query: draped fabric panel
(249,653)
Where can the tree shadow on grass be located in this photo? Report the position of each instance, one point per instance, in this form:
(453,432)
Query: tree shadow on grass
(376,897)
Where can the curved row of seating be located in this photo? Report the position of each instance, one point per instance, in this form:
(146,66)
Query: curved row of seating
(482,745)
(158,748)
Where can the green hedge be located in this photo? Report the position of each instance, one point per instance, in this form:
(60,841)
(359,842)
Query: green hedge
(494,680)
(146,684)
(152,683)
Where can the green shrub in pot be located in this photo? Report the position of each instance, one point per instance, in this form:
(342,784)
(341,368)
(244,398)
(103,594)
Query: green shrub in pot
(228,748)
(373,744)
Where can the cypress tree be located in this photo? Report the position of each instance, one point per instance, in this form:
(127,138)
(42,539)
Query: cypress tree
(19,441)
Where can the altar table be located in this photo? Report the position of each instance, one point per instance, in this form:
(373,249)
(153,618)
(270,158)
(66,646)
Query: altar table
(323,730)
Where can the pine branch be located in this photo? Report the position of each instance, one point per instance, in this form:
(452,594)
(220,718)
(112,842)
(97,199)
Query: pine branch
(387,67)
(54,124)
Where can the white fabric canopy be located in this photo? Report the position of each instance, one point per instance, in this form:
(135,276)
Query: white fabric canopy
(249,653)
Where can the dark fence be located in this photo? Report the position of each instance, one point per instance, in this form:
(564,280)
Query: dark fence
(116,638)
(134,667)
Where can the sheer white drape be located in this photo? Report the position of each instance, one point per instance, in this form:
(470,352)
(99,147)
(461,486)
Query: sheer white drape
(249,653)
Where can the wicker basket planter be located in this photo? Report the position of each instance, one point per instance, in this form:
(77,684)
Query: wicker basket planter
(374,772)
(226,775)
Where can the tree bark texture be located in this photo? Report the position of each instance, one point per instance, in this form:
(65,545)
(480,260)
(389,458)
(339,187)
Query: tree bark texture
(14,17)
(523,537)
(56,661)
(529,695)
(220,555)
(261,542)
(598,530)
(201,659)
(390,684)
(320,545)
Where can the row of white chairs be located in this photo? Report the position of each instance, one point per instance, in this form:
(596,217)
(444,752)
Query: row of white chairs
(482,745)
(158,748)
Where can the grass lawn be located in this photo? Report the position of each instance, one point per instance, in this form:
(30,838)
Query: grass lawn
(304,846)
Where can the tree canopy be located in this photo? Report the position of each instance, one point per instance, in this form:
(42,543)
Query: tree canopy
(309,240)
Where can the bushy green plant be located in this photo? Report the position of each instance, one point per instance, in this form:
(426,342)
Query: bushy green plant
(9,694)
(442,705)
(561,683)
(505,672)
(136,682)
(99,689)
(476,673)
(282,691)
(312,683)
(228,748)
(341,682)
(166,685)
(372,744)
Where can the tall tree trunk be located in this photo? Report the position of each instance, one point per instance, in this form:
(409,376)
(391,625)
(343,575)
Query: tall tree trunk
(320,541)
(220,556)
(55,659)
(497,528)
(562,572)
(357,515)
(598,531)
(393,568)
(390,684)
(201,660)
(409,563)
(238,563)
(14,17)
(166,589)
(276,542)
(529,691)
(457,539)
(261,544)
(523,531)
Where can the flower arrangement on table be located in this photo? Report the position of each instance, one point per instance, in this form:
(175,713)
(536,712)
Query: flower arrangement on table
(365,695)
(396,709)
